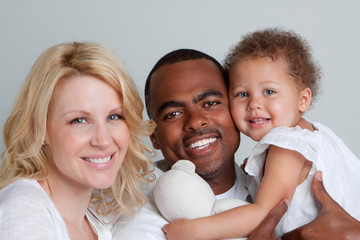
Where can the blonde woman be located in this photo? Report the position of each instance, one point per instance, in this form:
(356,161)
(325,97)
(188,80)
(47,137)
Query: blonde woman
(74,155)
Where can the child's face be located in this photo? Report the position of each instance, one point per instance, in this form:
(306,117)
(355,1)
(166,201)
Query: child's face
(263,96)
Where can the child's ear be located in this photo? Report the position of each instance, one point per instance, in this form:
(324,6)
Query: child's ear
(305,100)
(154,141)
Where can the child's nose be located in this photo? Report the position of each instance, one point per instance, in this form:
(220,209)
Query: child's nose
(254,104)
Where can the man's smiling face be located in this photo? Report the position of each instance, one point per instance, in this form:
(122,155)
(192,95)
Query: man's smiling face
(189,103)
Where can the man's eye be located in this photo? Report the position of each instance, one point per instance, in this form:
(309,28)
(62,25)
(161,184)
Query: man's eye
(172,115)
(78,121)
(269,92)
(211,104)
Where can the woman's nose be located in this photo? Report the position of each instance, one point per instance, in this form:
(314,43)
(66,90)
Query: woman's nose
(101,137)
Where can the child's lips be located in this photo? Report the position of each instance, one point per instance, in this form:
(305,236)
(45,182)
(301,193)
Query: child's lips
(259,120)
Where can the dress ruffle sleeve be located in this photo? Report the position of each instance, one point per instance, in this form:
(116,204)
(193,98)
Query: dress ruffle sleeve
(295,138)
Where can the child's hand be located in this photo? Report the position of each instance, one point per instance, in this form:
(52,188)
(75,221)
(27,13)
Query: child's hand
(182,229)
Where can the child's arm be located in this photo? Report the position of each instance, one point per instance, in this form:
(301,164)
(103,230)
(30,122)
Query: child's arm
(283,171)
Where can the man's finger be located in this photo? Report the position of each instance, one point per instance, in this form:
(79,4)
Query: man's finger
(319,190)
(274,216)
(266,229)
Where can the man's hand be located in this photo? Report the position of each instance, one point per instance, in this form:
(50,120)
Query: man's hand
(266,229)
(333,221)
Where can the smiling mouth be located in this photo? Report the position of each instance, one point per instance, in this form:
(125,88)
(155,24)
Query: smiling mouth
(98,160)
(259,120)
(201,144)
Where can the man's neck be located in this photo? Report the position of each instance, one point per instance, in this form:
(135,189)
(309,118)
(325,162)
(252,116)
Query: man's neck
(163,165)
(223,181)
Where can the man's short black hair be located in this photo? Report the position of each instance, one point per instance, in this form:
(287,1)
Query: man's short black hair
(176,56)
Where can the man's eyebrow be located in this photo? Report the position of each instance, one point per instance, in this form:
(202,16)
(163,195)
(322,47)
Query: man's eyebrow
(170,104)
(209,93)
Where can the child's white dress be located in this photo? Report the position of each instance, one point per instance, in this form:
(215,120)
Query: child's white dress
(340,167)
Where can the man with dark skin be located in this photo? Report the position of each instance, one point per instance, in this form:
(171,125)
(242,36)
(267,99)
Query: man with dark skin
(186,96)
(193,120)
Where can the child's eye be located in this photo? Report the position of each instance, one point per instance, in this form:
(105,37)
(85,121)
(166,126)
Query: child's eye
(78,121)
(243,94)
(269,92)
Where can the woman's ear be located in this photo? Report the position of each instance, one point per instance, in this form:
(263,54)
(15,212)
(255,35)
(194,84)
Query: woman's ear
(305,100)
(154,141)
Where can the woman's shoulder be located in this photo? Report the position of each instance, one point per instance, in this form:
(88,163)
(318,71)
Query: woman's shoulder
(21,187)
(26,211)
(23,193)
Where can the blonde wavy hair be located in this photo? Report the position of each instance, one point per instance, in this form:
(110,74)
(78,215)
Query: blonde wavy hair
(24,130)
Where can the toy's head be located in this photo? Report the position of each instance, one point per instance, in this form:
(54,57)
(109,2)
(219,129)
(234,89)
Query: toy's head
(181,193)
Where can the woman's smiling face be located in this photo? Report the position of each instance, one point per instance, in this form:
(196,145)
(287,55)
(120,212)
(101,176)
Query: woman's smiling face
(86,135)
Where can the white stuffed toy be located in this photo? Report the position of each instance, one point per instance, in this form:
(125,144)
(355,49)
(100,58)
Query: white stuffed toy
(181,193)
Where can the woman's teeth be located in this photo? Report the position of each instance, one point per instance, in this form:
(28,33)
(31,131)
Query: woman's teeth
(98,160)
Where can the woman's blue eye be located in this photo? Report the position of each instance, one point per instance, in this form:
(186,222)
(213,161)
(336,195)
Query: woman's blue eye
(115,117)
(78,120)
(269,92)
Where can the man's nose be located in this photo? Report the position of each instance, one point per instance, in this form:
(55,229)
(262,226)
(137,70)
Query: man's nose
(196,120)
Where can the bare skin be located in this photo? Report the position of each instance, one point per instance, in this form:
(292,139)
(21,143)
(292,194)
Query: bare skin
(266,229)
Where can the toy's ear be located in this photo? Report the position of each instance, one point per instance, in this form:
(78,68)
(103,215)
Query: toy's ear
(154,141)
(305,100)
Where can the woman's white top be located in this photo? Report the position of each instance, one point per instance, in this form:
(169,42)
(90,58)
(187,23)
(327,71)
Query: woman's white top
(27,212)
(328,153)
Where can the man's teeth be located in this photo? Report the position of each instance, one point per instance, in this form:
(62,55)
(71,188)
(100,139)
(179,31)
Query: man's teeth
(98,160)
(259,121)
(202,143)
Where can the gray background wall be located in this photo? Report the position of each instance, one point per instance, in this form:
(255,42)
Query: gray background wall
(141,31)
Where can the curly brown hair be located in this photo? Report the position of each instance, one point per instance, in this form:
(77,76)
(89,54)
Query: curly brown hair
(276,43)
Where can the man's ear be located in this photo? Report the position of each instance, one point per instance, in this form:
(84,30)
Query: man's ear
(154,141)
(305,100)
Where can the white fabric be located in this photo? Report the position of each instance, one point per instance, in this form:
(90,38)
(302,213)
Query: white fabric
(148,224)
(27,212)
(329,154)
(181,193)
